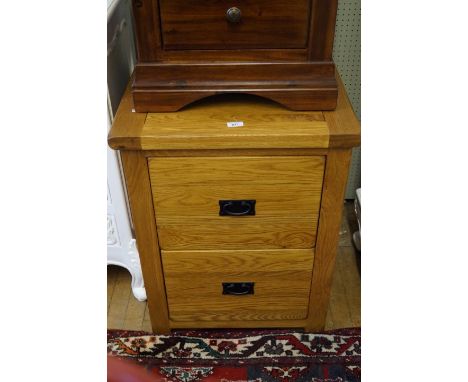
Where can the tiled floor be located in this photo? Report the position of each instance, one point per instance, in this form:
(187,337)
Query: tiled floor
(125,312)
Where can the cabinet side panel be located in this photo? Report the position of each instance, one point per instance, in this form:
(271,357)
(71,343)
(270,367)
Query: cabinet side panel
(141,203)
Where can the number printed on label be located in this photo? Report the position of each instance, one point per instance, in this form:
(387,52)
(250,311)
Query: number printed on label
(235,124)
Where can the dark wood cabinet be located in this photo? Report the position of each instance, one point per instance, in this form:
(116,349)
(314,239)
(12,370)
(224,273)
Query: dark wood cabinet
(240,24)
(191,49)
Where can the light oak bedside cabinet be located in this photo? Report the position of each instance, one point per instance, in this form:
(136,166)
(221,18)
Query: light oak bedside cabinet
(236,203)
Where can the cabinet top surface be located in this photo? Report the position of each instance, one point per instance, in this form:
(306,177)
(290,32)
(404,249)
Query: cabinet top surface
(231,121)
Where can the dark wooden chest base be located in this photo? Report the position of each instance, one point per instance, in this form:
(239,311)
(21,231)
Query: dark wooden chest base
(298,85)
(276,49)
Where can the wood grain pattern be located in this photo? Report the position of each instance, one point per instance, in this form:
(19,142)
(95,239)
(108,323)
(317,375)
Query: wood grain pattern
(229,232)
(150,49)
(345,129)
(344,309)
(338,308)
(322,29)
(247,55)
(235,153)
(166,87)
(120,292)
(287,129)
(336,175)
(345,292)
(141,204)
(270,32)
(111,280)
(194,24)
(236,170)
(203,200)
(146,325)
(127,126)
(134,314)
(147,30)
(265,125)
(194,284)
(351,282)
(213,74)
(186,192)
(196,177)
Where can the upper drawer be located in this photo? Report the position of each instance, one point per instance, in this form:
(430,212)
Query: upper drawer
(228,202)
(204,24)
(193,187)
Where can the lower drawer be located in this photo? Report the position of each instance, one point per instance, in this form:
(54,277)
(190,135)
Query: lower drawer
(238,285)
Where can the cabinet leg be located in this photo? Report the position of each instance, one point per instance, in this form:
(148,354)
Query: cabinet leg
(334,185)
(135,167)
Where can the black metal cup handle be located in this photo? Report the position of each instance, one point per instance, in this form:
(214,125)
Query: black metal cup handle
(236,207)
(238,289)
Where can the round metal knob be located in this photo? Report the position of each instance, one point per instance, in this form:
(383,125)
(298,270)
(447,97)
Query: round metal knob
(233,15)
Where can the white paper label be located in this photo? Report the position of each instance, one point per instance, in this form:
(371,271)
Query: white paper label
(235,124)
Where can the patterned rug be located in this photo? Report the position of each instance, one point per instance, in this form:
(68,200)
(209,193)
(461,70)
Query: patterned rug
(243,355)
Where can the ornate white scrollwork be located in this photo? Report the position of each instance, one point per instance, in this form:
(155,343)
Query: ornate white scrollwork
(138,285)
(112,236)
